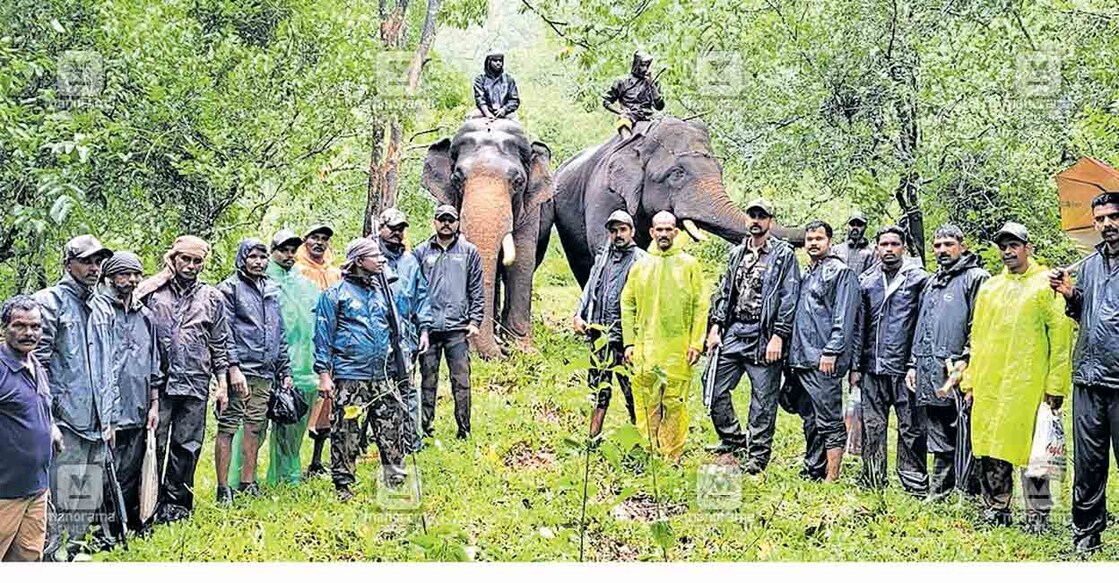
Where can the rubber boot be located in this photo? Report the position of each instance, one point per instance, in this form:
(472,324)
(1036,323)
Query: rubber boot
(319,441)
(835,460)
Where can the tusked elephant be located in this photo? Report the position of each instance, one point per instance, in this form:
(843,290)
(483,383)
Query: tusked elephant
(666,164)
(497,179)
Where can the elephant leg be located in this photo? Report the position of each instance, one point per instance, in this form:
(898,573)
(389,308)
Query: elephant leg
(517,313)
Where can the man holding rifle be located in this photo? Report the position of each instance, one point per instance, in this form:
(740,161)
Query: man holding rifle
(358,373)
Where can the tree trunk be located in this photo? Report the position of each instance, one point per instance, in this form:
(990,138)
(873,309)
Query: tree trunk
(387,168)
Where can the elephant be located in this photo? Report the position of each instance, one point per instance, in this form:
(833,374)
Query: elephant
(497,179)
(667,164)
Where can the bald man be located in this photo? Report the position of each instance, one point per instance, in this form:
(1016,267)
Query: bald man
(664,318)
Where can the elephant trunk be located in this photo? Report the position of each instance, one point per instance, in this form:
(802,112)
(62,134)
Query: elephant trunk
(487,222)
(713,211)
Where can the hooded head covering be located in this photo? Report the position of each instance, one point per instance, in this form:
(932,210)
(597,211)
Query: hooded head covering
(245,247)
(188,244)
(121,262)
(490,70)
(639,58)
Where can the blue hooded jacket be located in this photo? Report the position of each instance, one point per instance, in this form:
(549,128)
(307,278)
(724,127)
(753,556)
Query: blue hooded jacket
(352,331)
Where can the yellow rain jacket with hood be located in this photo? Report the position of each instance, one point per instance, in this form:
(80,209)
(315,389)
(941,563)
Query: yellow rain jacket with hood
(1021,345)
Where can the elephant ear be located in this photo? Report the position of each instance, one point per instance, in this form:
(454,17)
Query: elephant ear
(539,189)
(436,177)
(626,177)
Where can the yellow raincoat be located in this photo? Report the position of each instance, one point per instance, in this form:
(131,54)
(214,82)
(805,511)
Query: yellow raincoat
(664,313)
(1021,344)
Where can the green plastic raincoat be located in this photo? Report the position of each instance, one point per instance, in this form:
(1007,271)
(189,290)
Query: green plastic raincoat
(1021,345)
(298,296)
(664,313)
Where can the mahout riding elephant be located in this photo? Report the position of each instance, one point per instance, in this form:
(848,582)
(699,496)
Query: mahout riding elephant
(667,164)
(497,179)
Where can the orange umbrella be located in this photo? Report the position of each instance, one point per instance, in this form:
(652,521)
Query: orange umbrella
(1076,187)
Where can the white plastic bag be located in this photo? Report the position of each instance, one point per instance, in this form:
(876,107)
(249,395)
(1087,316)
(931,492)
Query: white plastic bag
(1047,455)
(149,480)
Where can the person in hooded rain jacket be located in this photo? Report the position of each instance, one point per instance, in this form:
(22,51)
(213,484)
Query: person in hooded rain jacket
(138,369)
(1094,303)
(315,261)
(599,318)
(889,299)
(298,296)
(76,350)
(821,352)
(353,356)
(664,318)
(258,361)
(1021,344)
(943,336)
(634,97)
(495,91)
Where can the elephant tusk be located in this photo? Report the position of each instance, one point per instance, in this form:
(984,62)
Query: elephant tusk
(694,231)
(508,250)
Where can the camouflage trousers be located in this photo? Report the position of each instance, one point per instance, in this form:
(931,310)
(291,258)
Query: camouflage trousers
(352,401)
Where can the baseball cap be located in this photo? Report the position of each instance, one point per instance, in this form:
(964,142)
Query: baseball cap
(444,210)
(760,204)
(284,237)
(84,246)
(619,216)
(1014,230)
(857,216)
(392,217)
(319,228)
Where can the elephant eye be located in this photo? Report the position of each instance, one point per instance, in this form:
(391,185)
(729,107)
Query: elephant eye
(677,174)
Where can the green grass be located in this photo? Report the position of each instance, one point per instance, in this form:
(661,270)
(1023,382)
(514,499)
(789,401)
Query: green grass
(513,491)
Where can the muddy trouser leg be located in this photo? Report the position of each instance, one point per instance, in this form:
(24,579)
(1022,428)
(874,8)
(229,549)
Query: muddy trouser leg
(875,404)
(728,371)
(997,483)
(826,395)
(599,376)
(912,450)
(765,386)
(186,432)
(458,363)
(344,433)
(387,415)
(429,379)
(1095,428)
(815,458)
(941,436)
(128,453)
(77,486)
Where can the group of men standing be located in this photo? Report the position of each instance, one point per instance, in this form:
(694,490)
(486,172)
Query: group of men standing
(106,360)
(963,358)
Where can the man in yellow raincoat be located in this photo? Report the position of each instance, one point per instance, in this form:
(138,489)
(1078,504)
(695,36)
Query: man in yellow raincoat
(664,317)
(1021,345)
(315,262)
